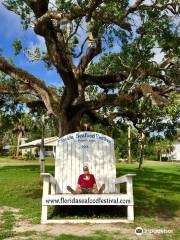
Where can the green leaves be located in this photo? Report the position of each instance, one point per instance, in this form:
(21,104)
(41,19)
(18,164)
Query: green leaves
(64,4)
(17,47)
(21,8)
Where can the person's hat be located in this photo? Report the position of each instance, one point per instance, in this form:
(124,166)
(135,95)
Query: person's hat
(85,167)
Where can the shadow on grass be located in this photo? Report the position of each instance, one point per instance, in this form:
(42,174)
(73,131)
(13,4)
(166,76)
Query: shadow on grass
(89,212)
(155,193)
(34,194)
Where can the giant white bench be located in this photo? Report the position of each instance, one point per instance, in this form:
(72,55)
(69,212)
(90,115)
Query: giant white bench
(72,151)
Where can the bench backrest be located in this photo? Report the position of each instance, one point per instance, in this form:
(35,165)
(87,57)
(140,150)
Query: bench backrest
(73,150)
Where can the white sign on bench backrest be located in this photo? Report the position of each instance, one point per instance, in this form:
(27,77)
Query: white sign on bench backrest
(75,149)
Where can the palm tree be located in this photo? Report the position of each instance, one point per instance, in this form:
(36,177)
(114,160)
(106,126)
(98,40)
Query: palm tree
(22,126)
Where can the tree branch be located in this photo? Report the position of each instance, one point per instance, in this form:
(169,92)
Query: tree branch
(39,7)
(109,18)
(20,89)
(95,36)
(173,6)
(129,114)
(82,47)
(51,15)
(105,80)
(29,80)
(31,103)
(133,8)
(92,8)
(124,100)
(95,47)
(57,15)
(58,52)
(73,33)
(96,118)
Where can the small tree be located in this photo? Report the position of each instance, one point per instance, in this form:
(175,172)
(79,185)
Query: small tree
(163,147)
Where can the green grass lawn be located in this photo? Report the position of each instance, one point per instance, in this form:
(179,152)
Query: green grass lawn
(4,161)
(156,191)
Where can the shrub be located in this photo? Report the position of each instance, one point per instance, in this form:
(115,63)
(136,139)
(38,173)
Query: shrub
(29,156)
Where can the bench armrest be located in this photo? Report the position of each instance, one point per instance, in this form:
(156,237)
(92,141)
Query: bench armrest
(49,177)
(48,180)
(124,178)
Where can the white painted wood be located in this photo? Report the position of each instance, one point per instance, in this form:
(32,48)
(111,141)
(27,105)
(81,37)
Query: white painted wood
(49,177)
(44,213)
(98,160)
(45,174)
(68,169)
(123,178)
(72,151)
(65,167)
(112,170)
(129,186)
(118,189)
(46,180)
(106,157)
(130,209)
(73,165)
(59,168)
(76,221)
(130,213)
(88,199)
(53,189)
(90,147)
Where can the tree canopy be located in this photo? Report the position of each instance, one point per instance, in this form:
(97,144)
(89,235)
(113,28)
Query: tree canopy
(80,36)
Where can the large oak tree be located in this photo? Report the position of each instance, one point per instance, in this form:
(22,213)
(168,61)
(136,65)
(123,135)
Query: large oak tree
(86,30)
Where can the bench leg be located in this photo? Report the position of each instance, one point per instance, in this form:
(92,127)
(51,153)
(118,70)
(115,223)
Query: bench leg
(130,213)
(44,214)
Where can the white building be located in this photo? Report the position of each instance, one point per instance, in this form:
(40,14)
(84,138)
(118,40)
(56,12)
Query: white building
(34,146)
(176,152)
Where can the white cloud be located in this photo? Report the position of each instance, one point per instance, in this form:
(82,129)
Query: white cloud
(158,57)
(11,28)
(39,43)
(131,2)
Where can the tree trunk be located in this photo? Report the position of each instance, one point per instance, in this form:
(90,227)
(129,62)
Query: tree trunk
(129,142)
(19,136)
(69,123)
(142,138)
(42,149)
(1,143)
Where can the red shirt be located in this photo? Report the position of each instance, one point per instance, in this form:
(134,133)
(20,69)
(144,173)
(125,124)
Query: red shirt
(86,180)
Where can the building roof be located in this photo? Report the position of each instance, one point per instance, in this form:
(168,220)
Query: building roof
(47,142)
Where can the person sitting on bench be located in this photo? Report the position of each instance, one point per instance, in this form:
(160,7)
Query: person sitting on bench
(86,183)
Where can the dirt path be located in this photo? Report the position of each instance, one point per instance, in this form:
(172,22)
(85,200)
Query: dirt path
(117,231)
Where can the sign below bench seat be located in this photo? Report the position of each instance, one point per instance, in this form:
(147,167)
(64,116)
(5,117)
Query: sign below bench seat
(87,199)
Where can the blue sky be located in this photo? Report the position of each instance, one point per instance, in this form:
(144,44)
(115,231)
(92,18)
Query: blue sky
(10,30)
